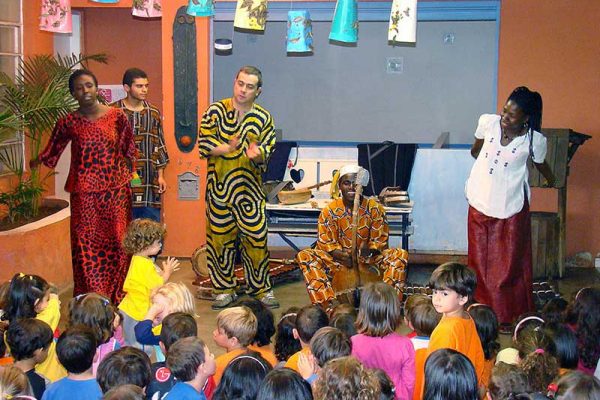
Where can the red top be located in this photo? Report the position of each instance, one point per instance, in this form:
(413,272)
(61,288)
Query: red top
(100,150)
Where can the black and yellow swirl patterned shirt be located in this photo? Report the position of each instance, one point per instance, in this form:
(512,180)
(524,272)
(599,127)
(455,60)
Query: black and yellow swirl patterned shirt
(233,177)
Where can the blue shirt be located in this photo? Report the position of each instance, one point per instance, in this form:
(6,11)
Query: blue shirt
(184,391)
(66,388)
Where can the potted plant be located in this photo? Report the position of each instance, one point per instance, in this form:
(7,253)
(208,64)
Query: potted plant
(30,105)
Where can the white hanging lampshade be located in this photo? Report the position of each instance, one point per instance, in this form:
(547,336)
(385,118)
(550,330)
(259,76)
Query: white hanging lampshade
(147,8)
(251,15)
(299,32)
(403,21)
(201,8)
(344,27)
(56,16)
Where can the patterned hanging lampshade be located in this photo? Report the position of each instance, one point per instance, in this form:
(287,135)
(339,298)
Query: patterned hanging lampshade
(147,8)
(403,21)
(201,8)
(251,15)
(299,32)
(106,1)
(344,27)
(56,16)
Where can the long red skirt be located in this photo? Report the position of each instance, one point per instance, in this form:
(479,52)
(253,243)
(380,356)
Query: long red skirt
(98,223)
(500,254)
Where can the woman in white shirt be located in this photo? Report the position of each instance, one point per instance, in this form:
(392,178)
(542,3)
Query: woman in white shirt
(498,194)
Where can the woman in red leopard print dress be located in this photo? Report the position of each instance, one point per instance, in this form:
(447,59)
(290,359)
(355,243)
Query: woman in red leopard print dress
(102,152)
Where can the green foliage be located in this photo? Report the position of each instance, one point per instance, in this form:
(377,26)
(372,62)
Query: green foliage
(31,104)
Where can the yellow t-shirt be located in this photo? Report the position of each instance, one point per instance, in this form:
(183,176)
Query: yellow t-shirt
(141,279)
(292,362)
(51,367)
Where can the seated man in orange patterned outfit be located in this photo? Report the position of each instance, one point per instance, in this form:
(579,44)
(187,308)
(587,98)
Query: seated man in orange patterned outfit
(332,252)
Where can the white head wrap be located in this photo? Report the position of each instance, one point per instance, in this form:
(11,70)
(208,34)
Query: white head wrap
(354,169)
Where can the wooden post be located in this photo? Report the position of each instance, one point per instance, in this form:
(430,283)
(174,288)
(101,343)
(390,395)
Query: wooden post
(562,236)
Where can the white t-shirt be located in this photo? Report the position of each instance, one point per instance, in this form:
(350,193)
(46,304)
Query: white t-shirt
(499,179)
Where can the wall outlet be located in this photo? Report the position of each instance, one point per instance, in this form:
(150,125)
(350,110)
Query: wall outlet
(394,65)
(449,38)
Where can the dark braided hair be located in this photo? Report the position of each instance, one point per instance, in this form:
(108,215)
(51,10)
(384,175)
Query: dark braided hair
(531,105)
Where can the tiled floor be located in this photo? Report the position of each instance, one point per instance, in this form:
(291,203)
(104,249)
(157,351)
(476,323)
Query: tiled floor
(294,294)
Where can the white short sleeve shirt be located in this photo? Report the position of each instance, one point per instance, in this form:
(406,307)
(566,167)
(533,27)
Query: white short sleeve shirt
(498,181)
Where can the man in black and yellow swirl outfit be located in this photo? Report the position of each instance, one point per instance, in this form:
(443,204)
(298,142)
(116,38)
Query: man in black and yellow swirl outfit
(237,138)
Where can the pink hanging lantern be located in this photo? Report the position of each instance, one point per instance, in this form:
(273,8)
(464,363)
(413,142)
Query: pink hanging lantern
(147,8)
(56,16)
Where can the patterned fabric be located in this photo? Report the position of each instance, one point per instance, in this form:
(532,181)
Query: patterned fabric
(152,152)
(100,197)
(235,201)
(335,233)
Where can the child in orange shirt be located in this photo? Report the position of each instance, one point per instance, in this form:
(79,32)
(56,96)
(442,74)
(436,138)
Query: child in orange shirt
(453,284)
(236,328)
(308,321)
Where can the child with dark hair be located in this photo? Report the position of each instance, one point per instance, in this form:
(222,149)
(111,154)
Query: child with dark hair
(284,383)
(285,342)
(242,377)
(29,340)
(387,390)
(564,346)
(423,318)
(308,321)
(30,296)
(577,385)
(409,304)
(328,343)
(174,327)
(536,359)
(343,317)
(377,345)
(453,286)
(450,375)
(554,310)
(584,317)
(125,392)
(507,381)
(127,365)
(486,323)
(345,378)
(265,329)
(192,364)
(76,349)
(97,312)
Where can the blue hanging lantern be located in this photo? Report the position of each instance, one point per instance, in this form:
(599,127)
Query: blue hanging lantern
(344,27)
(299,32)
(201,8)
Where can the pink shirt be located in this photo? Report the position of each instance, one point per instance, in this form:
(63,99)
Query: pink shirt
(394,354)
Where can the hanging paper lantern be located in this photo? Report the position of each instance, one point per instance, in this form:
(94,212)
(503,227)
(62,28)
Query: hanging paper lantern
(106,1)
(344,27)
(403,21)
(223,47)
(201,8)
(56,16)
(299,32)
(147,8)
(251,15)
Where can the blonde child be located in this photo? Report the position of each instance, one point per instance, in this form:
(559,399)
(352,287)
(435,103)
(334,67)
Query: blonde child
(14,384)
(169,298)
(377,345)
(236,327)
(30,296)
(143,240)
(345,378)
(96,312)
(453,284)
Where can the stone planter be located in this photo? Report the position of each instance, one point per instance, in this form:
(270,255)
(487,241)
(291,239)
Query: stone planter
(42,248)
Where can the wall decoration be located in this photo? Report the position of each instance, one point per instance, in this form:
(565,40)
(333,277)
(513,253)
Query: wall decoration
(201,8)
(403,21)
(251,15)
(56,16)
(299,32)
(344,27)
(147,8)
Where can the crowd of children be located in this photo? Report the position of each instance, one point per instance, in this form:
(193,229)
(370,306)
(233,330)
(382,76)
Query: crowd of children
(452,352)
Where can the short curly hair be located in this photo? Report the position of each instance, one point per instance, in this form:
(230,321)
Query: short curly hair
(141,233)
(345,378)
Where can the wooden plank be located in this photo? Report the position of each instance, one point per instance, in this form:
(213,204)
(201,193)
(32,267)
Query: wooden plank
(558,147)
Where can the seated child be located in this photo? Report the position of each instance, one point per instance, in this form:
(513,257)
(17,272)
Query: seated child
(328,343)
(99,314)
(265,330)
(450,375)
(564,346)
(308,321)
(507,380)
(409,304)
(387,390)
(236,327)
(577,385)
(76,349)
(242,377)
(14,383)
(192,364)
(525,323)
(285,342)
(143,240)
(284,383)
(453,284)
(345,378)
(125,392)
(29,340)
(343,317)
(127,365)
(536,360)
(174,327)
(486,323)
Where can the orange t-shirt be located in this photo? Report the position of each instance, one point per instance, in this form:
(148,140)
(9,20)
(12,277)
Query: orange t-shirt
(488,365)
(292,362)
(266,353)
(420,357)
(222,361)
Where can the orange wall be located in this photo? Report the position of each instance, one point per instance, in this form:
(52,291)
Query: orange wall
(553,47)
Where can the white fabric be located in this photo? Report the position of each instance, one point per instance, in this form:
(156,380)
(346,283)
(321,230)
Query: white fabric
(354,169)
(498,181)
(420,342)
